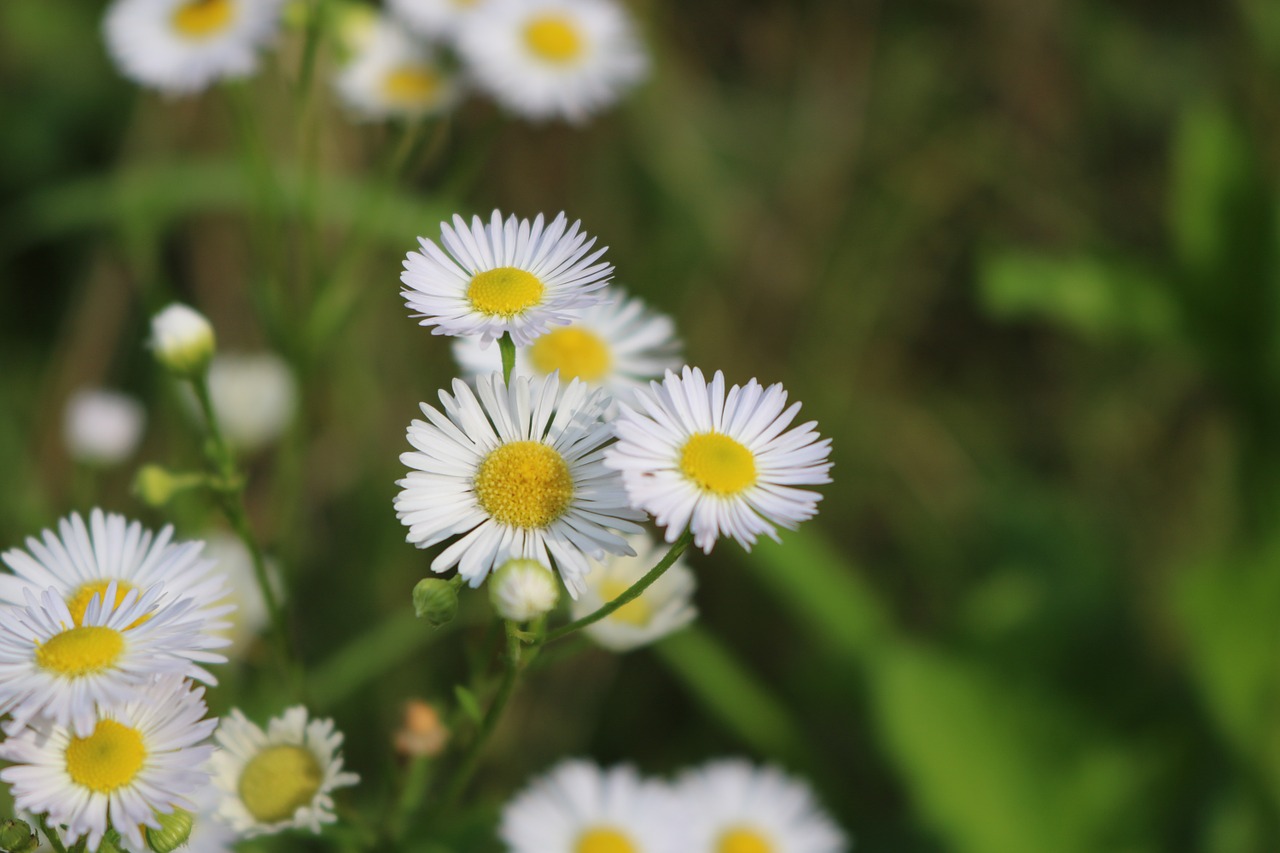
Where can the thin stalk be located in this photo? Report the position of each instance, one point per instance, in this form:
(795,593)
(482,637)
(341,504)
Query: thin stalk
(416,777)
(508,349)
(632,593)
(52,837)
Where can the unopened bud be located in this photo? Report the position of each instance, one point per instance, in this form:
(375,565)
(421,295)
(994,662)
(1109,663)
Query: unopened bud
(17,837)
(523,589)
(154,485)
(182,340)
(423,733)
(175,829)
(436,600)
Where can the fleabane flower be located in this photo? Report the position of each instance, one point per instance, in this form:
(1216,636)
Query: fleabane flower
(722,464)
(732,805)
(138,758)
(514,472)
(391,74)
(513,276)
(545,59)
(281,778)
(80,561)
(578,806)
(182,46)
(254,396)
(523,589)
(63,670)
(663,608)
(101,427)
(182,339)
(434,19)
(619,344)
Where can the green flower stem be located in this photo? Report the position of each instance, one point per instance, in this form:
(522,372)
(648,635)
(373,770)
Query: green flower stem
(52,836)
(511,670)
(416,778)
(633,592)
(508,349)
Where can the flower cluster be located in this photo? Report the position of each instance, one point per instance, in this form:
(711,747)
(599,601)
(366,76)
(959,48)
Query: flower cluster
(725,805)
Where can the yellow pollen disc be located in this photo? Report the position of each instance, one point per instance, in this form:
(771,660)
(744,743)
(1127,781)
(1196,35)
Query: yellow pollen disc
(278,781)
(524,484)
(411,86)
(504,292)
(635,612)
(204,18)
(81,651)
(79,600)
(575,352)
(718,464)
(742,840)
(107,759)
(604,840)
(554,38)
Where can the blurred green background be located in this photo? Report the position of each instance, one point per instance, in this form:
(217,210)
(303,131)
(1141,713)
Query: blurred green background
(1019,258)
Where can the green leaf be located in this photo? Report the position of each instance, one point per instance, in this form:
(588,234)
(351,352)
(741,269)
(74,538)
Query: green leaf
(467,701)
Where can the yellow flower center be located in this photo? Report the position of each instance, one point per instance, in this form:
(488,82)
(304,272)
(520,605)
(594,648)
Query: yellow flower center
(79,600)
(604,840)
(200,19)
(554,38)
(504,292)
(81,651)
(742,840)
(524,484)
(718,464)
(278,781)
(575,352)
(107,759)
(635,612)
(411,85)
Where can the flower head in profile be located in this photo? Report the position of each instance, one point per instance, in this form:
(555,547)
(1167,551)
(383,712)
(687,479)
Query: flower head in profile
(281,778)
(662,609)
(392,74)
(522,590)
(182,339)
(514,471)
(721,463)
(545,59)
(733,805)
(182,46)
(508,277)
(578,806)
(102,427)
(619,344)
(138,758)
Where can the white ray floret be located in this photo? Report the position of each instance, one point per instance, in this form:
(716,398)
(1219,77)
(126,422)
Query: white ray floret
(182,46)
(545,59)
(515,472)
(138,757)
(80,560)
(731,805)
(663,608)
(392,74)
(577,805)
(55,667)
(281,778)
(722,464)
(619,345)
(513,276)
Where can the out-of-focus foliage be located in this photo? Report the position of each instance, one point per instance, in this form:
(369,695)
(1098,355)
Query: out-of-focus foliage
(1021,260)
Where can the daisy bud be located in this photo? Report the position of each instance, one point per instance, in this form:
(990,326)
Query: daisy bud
(437,600)
(154,485)
(182,339)
(523,589)
(423,733)
(17,837)
(174,831)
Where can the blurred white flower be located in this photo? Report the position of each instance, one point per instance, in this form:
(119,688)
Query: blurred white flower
(250,618)
(391,74)
(434,19)
(523,589)
(182,339)
(253,395)
(102,427)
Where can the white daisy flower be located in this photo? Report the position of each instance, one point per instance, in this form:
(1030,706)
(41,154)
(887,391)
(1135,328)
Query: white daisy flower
(694,456)
(731,805)
(619,345)
(80,561)
(281,778)
(546,59)
(182,46)
(393,75)
(254,396)
(511,277)
(137,758)
(433,19)
(53,666)
(102,427)
(662,609)
(182,339)
(577,807)
(250,617)
(515,472)
(523,589)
